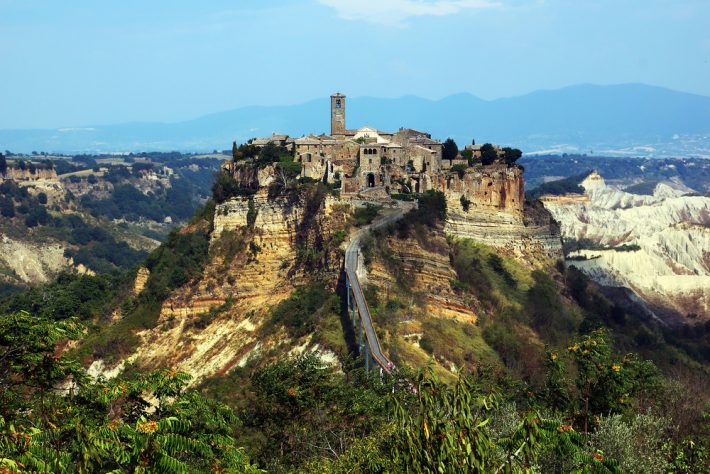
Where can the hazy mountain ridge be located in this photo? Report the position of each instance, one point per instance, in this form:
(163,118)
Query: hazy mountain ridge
(632,118)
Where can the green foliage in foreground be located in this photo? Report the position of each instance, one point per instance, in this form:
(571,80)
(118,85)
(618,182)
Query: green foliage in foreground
(147,425)
(301,416)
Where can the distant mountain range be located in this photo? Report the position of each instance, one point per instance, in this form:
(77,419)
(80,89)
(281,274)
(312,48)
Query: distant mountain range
(632,119)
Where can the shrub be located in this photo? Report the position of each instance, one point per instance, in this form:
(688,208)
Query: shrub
(465,203)
(302,310)
(365,215)
(460,169)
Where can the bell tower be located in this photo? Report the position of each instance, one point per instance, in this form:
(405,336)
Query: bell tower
(337,114)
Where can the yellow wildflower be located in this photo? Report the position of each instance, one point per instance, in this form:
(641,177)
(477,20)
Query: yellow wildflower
(148,427)
(616,367)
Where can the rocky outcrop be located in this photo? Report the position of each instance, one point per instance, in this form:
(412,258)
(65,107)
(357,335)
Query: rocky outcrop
(488,206)
(31,263)
(659,245)
(18,174)
(429,272)
(498,188)
(276,218)
(141,279)
(214,324)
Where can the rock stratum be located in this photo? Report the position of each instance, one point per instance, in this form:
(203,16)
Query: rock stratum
(657,245)
(489,206)
(262,248)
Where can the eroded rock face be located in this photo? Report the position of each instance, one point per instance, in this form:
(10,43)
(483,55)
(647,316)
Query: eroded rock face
(488,205)
(141,279)
(429,273)
(491,188)
(276,217)
(213,324)
(666,260)
(32,263)
(26,175)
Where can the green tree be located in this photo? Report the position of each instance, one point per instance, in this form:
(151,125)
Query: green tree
(447,429)
(31,220)
(235,151)
(488,154)
(7,207)
(459,169)
(42,198)
(432,208)
(467,155)
(3,164)
(511,155)
(224,187)
(606,382)
(450,149)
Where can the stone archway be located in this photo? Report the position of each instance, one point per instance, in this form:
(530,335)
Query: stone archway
(370,180)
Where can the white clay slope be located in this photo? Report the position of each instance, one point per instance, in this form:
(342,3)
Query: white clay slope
(672,267)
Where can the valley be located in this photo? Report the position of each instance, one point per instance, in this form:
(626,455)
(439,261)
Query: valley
(657,245)
(91,213)
(474,291)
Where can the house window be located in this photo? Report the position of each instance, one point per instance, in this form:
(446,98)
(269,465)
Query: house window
(337,103)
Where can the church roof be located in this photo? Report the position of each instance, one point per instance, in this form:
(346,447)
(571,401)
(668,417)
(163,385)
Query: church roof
(308,140)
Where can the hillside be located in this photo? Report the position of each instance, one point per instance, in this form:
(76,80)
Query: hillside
(247,299)
(658,245)
(90,214)
(631,119)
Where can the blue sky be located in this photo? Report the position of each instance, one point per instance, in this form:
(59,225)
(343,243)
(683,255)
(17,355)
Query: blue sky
(86,62)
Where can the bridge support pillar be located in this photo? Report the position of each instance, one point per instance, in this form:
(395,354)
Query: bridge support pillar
(347,290)
(367,357)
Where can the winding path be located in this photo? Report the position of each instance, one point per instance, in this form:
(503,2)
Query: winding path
(351,263)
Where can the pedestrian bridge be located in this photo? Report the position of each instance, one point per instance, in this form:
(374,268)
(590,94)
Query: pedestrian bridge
(358,311)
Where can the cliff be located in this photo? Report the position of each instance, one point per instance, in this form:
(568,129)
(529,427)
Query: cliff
(26,175)
(257,257)
(496,187)
(488,205)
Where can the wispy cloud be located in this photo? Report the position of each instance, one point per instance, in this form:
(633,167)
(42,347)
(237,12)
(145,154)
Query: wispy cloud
(396,12)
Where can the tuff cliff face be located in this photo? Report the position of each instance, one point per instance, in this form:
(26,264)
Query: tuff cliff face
(488,205)
(214,324)
(657,245)
(30,262)
(490,188)
(30,175)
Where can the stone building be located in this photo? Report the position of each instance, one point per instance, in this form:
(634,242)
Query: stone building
(364,158)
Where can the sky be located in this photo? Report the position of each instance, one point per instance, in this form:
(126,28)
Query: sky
(88,62)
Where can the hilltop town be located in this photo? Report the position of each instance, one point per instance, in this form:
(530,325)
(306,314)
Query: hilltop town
(483,187)
(375,164)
